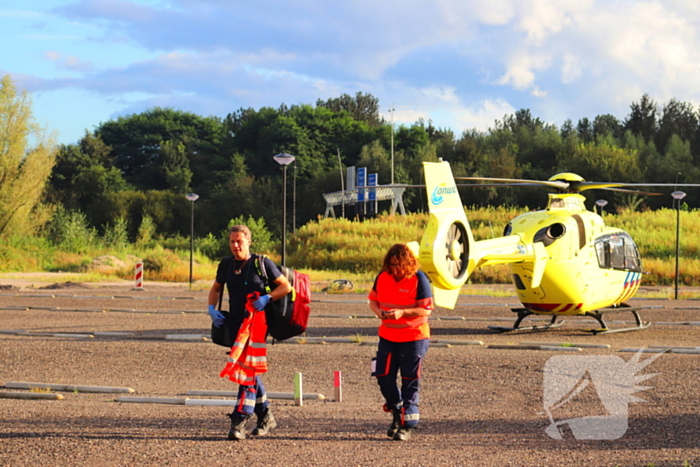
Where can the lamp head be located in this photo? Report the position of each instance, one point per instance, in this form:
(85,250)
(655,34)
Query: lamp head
(601,203)
(678,195)
(192,197)
(284,158)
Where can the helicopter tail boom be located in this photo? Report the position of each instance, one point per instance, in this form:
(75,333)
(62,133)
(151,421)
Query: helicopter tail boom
(448,252)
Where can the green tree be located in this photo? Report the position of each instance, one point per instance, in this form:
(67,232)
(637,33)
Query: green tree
(27,156)
(175,166)
(642,118)
(607,125)
(585,130)
(362,107)
(84,178)
(137,147)
(677,118)
(604,162)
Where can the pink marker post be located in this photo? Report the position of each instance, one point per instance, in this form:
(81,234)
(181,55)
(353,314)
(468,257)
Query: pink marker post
(338,386)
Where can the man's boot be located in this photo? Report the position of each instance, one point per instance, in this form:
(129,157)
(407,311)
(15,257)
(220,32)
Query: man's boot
(403,434)
(266,422)
(395,422)
(237,431)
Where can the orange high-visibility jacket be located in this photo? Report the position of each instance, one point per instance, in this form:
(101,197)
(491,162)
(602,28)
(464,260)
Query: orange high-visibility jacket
(409,292)
(248,357)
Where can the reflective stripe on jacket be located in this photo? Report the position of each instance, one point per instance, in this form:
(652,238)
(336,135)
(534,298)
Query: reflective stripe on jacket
(248,357)
(410,292)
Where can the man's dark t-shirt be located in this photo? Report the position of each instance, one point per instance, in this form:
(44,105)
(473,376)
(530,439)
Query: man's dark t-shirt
(243,284)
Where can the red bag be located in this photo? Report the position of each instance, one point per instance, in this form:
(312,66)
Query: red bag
(288,316)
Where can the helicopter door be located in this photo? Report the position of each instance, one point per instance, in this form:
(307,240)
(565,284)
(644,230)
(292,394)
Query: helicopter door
(618,251)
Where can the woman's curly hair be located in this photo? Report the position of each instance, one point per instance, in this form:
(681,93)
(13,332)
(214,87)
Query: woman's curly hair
(400,261)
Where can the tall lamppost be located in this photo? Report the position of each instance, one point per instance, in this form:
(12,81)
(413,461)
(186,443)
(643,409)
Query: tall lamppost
(677,197)
(342,186)
(601,204)
(284,160)
(294,201)
(192,197)
(392,110)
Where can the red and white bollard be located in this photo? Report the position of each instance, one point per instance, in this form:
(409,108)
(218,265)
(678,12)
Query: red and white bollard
(338,386)
(138,278)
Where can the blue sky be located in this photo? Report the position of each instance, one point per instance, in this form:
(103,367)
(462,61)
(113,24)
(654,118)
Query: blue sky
(460,63)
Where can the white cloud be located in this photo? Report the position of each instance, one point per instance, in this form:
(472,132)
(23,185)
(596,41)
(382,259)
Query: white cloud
(482,115)
(7,13)
(69,63)
(456,61)
(540,19)
(537,92)
(571,68)
(461,13)
(521,67)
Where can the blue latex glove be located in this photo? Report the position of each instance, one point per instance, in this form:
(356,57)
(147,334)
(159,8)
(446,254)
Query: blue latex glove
(262,302)
(217,318)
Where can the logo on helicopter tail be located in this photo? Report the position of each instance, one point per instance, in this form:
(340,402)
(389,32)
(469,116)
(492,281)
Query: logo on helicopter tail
(440,190)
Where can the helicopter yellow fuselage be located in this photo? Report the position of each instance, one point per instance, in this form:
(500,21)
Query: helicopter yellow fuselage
(577,278)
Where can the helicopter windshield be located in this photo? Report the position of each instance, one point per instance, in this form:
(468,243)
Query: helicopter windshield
(618,251)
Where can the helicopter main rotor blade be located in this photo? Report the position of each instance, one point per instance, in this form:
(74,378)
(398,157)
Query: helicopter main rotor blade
(559,185)
(636,192)
(498,185)
(580,186)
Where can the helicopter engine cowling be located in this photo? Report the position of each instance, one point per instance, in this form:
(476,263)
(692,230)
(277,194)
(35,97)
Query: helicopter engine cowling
(549,234)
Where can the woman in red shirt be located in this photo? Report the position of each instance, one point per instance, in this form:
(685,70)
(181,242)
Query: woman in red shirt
(402,298)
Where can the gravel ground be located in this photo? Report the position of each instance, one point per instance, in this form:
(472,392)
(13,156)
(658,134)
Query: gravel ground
(480,406)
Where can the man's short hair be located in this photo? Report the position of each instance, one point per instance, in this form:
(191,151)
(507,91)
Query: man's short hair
(241,228)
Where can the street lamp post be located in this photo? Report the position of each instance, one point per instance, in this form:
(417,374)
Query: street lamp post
(294,201)
(191,197)
(284,160)
(677,197)
(342,186)
(392,110)
(601,204)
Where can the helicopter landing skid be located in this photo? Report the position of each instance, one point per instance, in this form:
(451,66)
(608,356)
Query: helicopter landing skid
(522,314)
(598,315)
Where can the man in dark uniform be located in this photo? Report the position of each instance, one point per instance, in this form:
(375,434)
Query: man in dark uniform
(241,276)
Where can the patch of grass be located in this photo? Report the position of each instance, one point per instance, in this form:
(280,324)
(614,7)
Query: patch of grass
(358,338)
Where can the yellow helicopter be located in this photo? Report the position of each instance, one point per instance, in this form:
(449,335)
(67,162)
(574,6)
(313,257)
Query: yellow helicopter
(564,260)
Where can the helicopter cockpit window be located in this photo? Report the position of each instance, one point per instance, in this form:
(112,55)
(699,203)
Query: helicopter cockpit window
(556,203)
(617,251)
(632,257)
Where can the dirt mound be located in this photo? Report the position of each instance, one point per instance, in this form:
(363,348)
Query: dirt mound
(66,285)
(110,263)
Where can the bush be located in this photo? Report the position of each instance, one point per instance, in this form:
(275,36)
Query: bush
(116,236)
(160,259)
(147,230)
(69,231)
(262,238)
(217,247)
(211,246)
